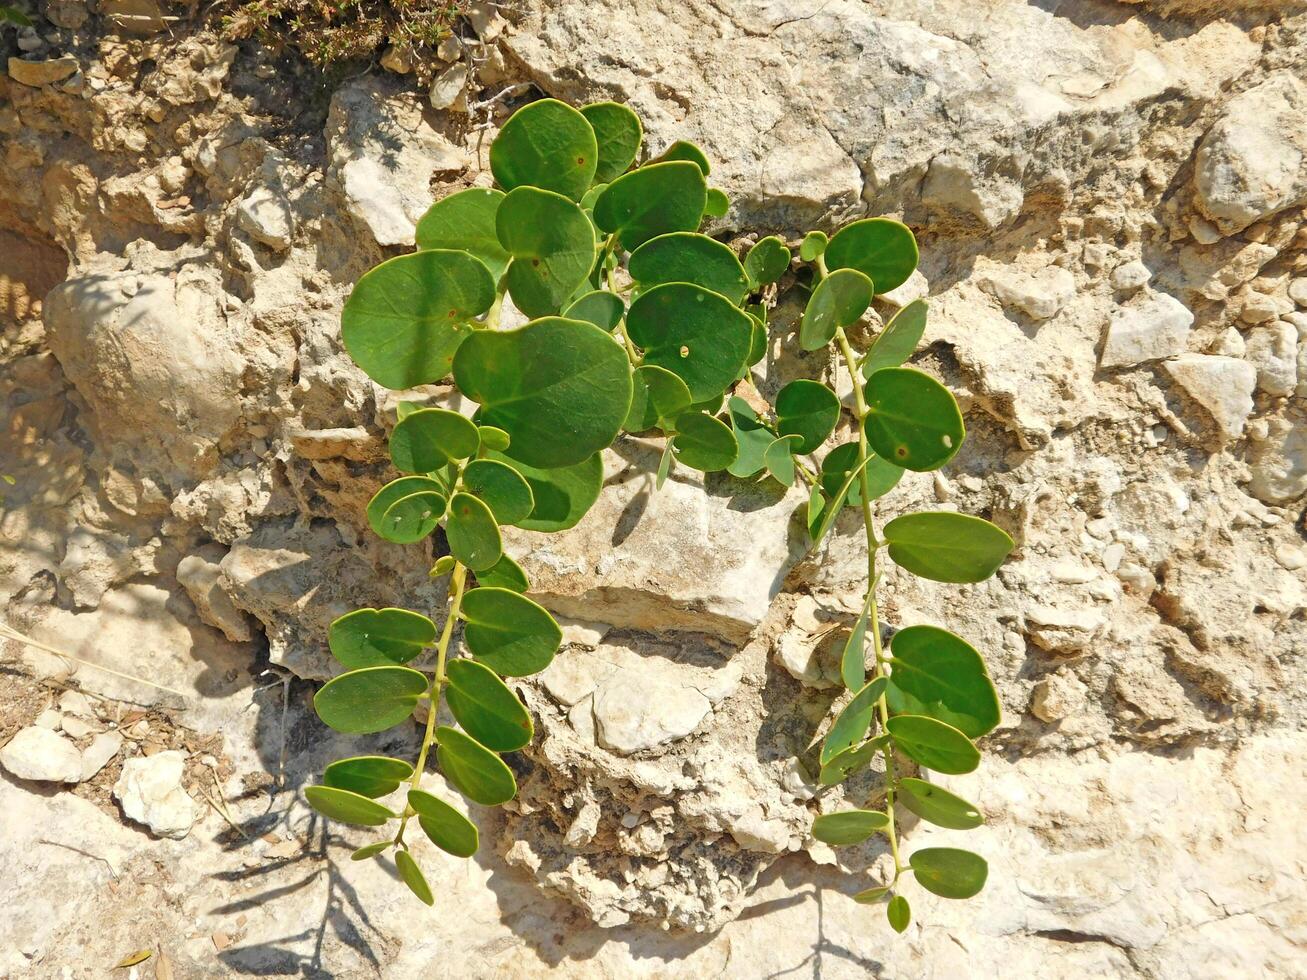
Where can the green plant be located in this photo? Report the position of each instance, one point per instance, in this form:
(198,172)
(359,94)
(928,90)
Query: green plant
(642,324)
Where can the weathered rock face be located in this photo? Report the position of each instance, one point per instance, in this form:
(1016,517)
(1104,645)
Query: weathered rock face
(1110,207)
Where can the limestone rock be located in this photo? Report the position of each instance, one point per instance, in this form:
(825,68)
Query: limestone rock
(38,73)
(1279,463)
(98,754)
(265,215)
(200,575)
(1130,276)
(447,88)
(1038,296)
(1273,351)
(1222,385)
(42,755)
(1152,327)
(150,792)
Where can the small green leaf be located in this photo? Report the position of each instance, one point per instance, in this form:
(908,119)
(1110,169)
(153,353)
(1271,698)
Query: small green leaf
(347,807)
(844,765)
(751,436)
(371,850)
(841,461)
(406,408)
(870,896)
(704,443)
(898,340)
(779,458)
(848,827)
(809,410)
(758,343)
(412,876)
(443,566)
(947,547)
(473,769)
(659,396)
(852,724)
(652,201)
(853,661)
(553,247)
(665,463)
(685,150)
(694,333)
(839,300)
(367,775)
(684,256)
(472,533)
(413,517)
(560,388)
(939,674)
(505,574)
(369,700)
(493,439)
(406,318)
(508,632)
(881,249)
(938,805)
(448,829)
(899,913)
(600,307)
(618,133)
(465,221)
(814,244)
(501,488)
(379,637)
(562,495)
(950,872)
(485,708)
(428,439)
(717,203)
(934,744)
(766,262)
(546,144)
(912,419)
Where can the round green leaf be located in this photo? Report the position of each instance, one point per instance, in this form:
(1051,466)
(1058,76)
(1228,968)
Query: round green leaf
(465,220)
(428,439)
(659,396)
(814,244)
(848,827)
(949,872)
(347,807)
(704,443)
(939,674)
(852,724)
(898,340)
(371,850)
(807,409)
(947,547)
(379,637)
(842,461)
(493,439)
(652,201)
(618,133)
(899,913)
(717,203)
(752,437)
(560,388)
(696,334)
(881,249)
(912,419)
(766,261)
(367,775)
(546,144)
(846,763)
(600,307)
(685,150)
(369,700)
(562,495)
(413,517)
(779,458)
(472,533)
(934,744)
(553,247)
(501,487)
(485,708)
(938,805)
(406,317)
(412,876)
(839,300)
(685,256)
(508,632)
(448,829)
(473,769)
(505,574)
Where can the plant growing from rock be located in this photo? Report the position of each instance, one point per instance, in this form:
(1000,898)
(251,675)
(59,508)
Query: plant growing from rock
(639,323)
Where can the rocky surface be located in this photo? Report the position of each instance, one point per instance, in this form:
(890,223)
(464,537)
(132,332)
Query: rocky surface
(1113,246)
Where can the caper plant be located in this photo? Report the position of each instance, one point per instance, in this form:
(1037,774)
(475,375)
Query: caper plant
(640,324)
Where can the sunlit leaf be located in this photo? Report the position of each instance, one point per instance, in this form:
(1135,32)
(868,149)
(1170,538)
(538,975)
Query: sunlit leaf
(501,487)
(766,262)
(779,458)
(600,307)
(472,533)
(485,708)
(934,744)
(652,201)
(899,913)
(448,829)
(704,443)
(370,700)
(947,547)
(553,247)
(912,420)
(428,439)
(562,495)
(689,257)
(881,249)
(347,807)
(949,872)
(465,220)
(751,436)
(854,721)
(839,300)
(508,632)
(546,144)
(379,637)
(809,410)
(412,876)
(504,574)
(696,334)
(939,674)
(618,133)
(367,775)
(848,826)
(898,340)
(938,805)
(659,396)
(473,769)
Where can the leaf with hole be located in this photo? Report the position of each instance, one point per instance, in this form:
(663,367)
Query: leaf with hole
(562,494)
(473,769)
(560,388)
(472,533)
(367,775)
(934,744)
(448,829)
(684,256)
(848,826)
(939,674)
(839,300)
(766,262)
(854,721)
(600,307)
(751,436)
(947,547)
(850,761)
(778,457)
(938,805)
(500,487)
(898,340)
(379,637)
(881,249)
(809,410)
(504,574)
(465,221)
(899,913)
(508,632)
(553,247)
(407,317)
(696,334)
(813,245)
(411,875)
(652,201)
(704,443)
(618,133)
(428,439)
(949,872)
(546,144)
(912,420)
(346,807)
(485,708)
(369,700)
(659,396)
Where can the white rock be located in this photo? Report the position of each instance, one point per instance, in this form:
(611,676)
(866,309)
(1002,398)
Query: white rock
(1038,296)
(1298,290)
(1130,276)
(42,755)
(916,287)
(633,711)
(75,727)
(200,574)
(97,755)
(1261,308)
(1279,465)
(1230,343)
(49,718)
(1222,385)
(448,87)
(1154,326)
(264,214)
(1273,351)
(151,793)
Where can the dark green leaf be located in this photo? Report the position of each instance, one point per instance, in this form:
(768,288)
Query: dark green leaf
(692,332)
(465,221)
(947,547)
(618,133)
(347,807)
(814,244)
(473,769)
(840,299)
(562,495)
(703,443)
(379,637)
(766,261)
(684,256)
(485,708)
(553,247)
(370,700)
(852,723)
(367,775)
(950,872)
(912,419)
(413,517)
(406,317)
(941,675)
(843,460)
(448,829)
(508,632)
(472,533)
(844,765)
(652,201)
(751,436)
(501,487)
(809,410)
(853,661)
(899,913)
(779,458)
(881,249)
(848,827)
(428,439)
(659,396)
(898,340)
(717,203)
(600,307)
(392,492)
(412,876)
(758,342)
(685,150)
(546,144)
(505,574)
(934,744)
(938,805)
